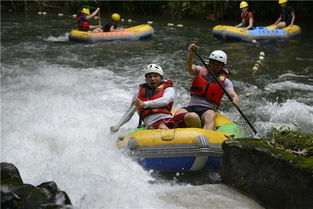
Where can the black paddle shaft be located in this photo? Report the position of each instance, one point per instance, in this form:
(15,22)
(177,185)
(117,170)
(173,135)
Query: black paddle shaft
(229,97)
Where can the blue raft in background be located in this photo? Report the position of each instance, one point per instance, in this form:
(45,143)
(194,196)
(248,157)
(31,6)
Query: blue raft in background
(258,33)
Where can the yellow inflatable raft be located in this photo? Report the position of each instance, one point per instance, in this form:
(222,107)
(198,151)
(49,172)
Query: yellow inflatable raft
(187,149)
(139,32)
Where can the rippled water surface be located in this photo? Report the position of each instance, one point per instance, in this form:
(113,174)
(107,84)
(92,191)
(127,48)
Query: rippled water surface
(59,99)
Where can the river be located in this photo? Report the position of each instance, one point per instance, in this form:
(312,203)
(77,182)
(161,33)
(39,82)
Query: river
(59,99)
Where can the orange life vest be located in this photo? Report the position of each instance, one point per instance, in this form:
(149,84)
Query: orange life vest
(82,25)
(206,86)
(146,93)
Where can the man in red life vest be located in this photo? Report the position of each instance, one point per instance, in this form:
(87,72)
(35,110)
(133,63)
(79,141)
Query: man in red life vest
(247,19)
(206,94)
(154,101)
(83,23)
(287,16)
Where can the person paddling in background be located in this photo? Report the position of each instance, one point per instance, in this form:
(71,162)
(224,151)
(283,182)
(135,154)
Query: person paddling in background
(83,23)
(247,19)
(287,16)
(112,26)
(153,102)
(206,94)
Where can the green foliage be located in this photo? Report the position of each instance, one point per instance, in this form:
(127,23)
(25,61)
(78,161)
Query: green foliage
(293,139)
(290,132)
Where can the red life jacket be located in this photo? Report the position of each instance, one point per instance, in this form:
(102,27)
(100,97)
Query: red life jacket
(145,93)
(206,86)
(83,26)
(247,18)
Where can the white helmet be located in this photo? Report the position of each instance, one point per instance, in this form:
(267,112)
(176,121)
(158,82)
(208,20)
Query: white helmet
(153,68)
(219,55)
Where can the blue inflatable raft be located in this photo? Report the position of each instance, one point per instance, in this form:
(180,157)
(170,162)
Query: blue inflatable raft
(258,33)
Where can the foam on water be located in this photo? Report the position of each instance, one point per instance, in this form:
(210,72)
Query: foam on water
(55,123)
(288,85)
(58,38)
(284,114)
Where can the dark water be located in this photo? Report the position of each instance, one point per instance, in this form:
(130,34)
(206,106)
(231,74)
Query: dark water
(59,99)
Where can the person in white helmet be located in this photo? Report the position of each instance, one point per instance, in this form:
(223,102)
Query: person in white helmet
(206,94)
(153,102)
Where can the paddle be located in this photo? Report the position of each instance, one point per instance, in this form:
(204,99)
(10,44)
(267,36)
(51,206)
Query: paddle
(99,18)
(116,128)
(229,97)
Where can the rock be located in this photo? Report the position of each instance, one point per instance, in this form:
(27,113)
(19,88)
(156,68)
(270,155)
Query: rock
(267,174)
(17,195)
(10,174)
(25,196)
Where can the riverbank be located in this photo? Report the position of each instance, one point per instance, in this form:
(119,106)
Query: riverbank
(277,172)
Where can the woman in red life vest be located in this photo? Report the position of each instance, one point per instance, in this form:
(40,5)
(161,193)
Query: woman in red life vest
(83,23)
(247,19)
(153,101)
(206,94)
(287,16)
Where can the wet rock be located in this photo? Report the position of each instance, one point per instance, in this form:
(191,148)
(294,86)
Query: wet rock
(10,174)
(17,195)
(275,178)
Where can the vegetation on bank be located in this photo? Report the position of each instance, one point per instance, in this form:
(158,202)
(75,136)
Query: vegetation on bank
(211,9)
(291,144)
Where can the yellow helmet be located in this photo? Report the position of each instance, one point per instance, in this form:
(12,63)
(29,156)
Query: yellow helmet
(282,1)
(244,4)
(116,17)
(85,11)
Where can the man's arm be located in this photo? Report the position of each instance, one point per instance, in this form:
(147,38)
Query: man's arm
(189,66)
(278,20)
(167,98)
(250,24)
(229,87)
(293,18)
(240,24)
(126,116)
(234,96)
(93,14)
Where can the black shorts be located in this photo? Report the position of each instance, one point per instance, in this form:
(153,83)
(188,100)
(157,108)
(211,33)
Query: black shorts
(199,110)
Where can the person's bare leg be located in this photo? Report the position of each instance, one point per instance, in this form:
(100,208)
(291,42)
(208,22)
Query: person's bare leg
(208,119)
(191,119)
(180,111)
(281,25)
(162,126)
